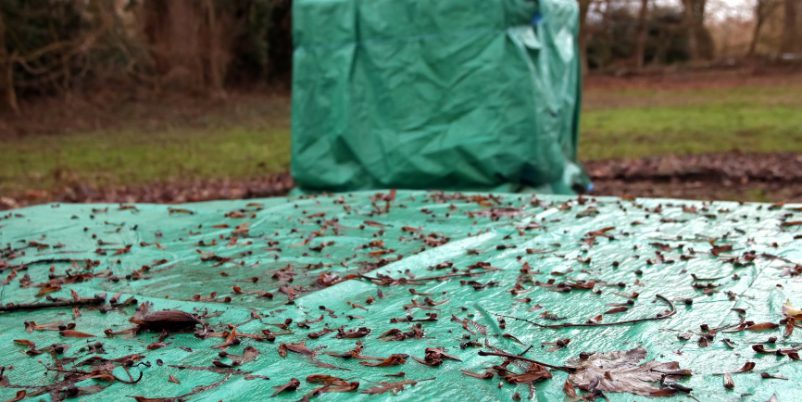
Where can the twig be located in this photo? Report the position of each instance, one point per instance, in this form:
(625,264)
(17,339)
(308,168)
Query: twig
(568,369)
(131,381)
(43,261)
(698,279)
(423,279)
(777,257)
(61,303)
(671,312)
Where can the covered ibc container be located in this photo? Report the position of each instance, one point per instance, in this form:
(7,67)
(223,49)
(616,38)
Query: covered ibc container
(446,94)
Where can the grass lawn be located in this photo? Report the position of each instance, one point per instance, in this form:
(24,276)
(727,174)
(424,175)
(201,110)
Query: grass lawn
(638,122)
(244,138)
(251,138)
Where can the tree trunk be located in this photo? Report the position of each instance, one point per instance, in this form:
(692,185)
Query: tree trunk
(190,42)
(759,18)
(7,71)
(640,48)
(584,7)
(694,14)
(213,52)
(790,39)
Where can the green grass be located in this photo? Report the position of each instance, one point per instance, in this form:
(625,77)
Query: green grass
(638,123)
(238,138)
(128,157)
(252,138)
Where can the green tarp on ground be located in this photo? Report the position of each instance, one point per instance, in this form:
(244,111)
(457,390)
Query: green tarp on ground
(699,284)
(447,94)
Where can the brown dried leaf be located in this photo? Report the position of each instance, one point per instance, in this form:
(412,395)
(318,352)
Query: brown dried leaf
(331,384)
(616,310)
(619,371)
(434,357)
(352,334)
(533,374)
(389,387)
(356,352)
(392,360)
(70,333)
(299,348)
(249,354)
(292,385)
(167,320)
(790,323)
(48,289)
(716,250)
(24,342)
(728,382)
(21,394)
(569,390)
(763,326)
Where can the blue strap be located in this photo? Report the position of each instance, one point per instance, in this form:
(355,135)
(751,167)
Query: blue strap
(537,18)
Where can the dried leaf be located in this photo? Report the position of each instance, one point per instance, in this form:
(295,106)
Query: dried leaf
(145,399)
(747,367)
(70,333)
(389,387)
(533,373)
(728,382)
(292,385)
(616,310)
(21,394)
(716,250)
(763,326)
(392,360)
(434,357)
(167,320)
(331,384)
(299,348)
(356,352)
(249,354)
(790,311)
(26,343)
(569,390)
(48,289)
(765,375)
(360,332)
(619,371)
(595,320)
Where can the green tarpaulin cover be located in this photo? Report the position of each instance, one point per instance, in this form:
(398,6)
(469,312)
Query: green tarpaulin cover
(683,291)
(447,94)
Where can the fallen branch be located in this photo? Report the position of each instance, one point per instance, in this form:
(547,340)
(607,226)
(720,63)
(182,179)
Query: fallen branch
(671,312)
(94,301)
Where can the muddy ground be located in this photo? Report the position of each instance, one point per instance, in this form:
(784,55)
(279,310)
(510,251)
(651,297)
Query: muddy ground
(775,177)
